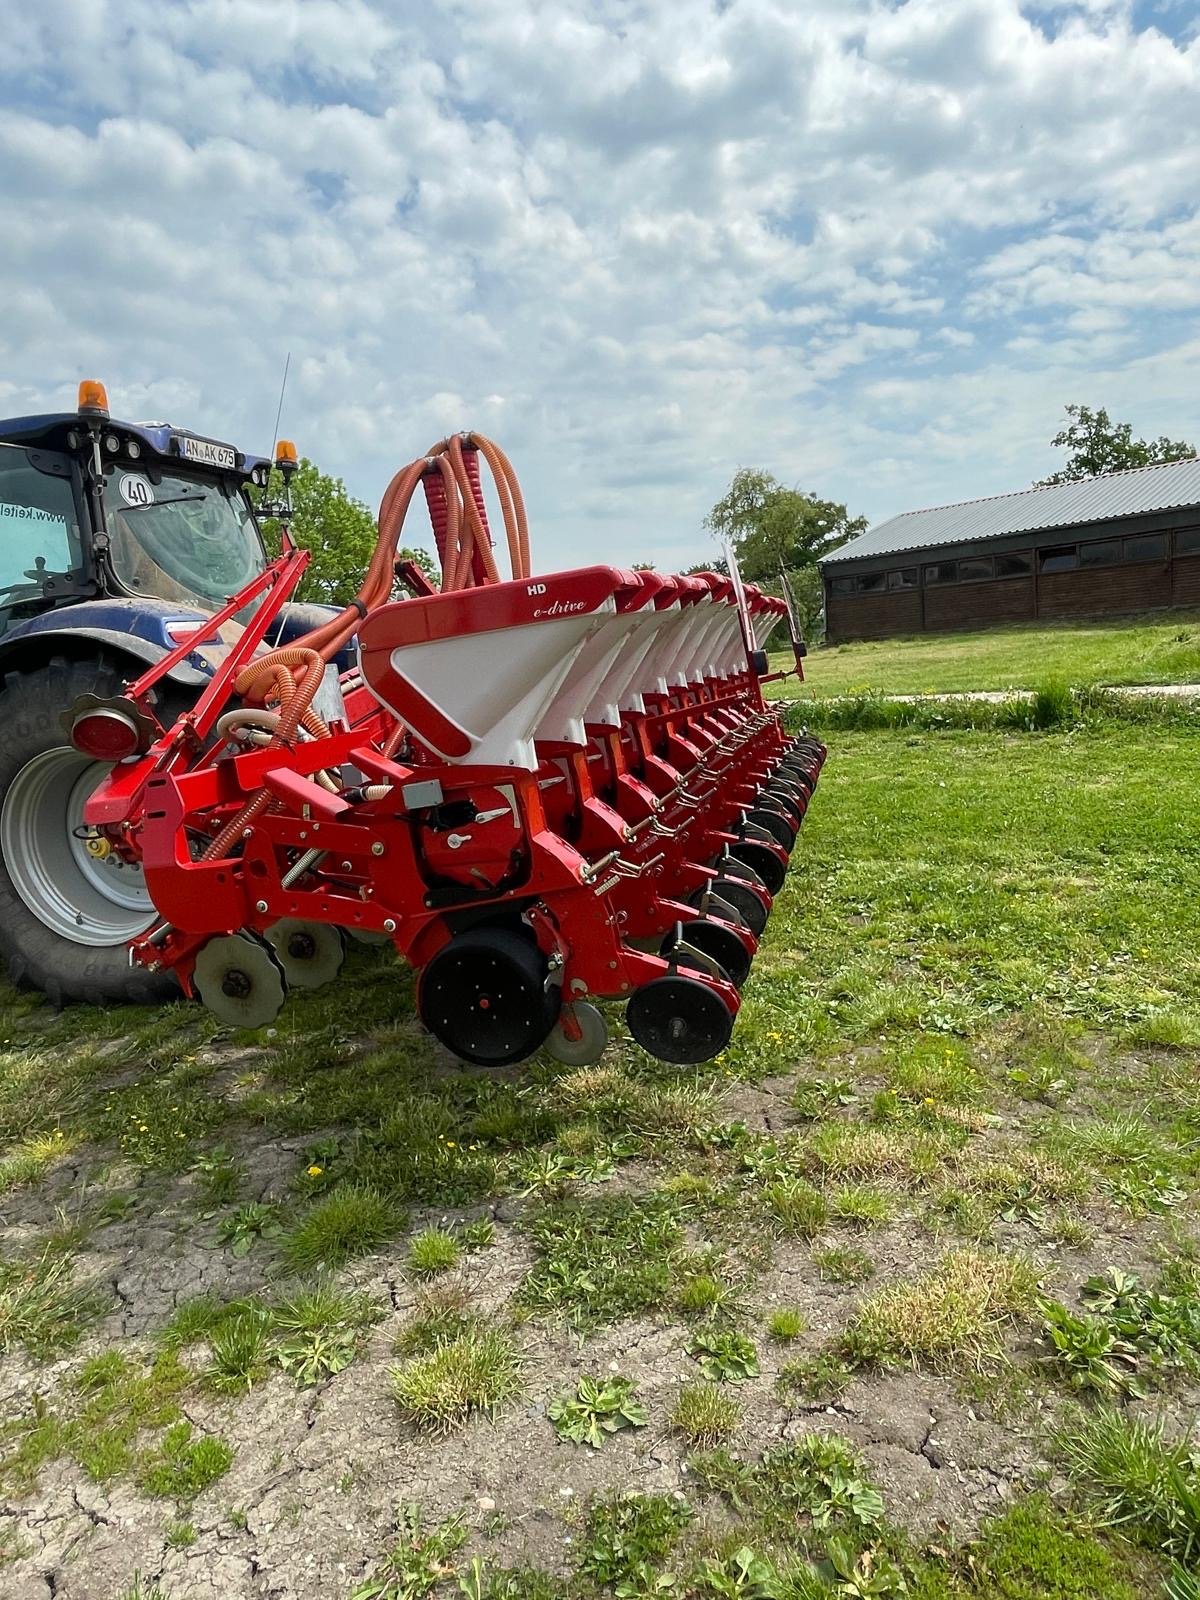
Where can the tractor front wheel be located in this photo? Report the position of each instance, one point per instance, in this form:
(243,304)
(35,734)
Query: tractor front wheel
(66,916)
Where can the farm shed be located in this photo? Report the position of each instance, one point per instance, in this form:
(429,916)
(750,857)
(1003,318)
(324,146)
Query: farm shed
(1121,543)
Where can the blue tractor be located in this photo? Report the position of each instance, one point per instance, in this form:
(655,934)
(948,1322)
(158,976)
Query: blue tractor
(117,539)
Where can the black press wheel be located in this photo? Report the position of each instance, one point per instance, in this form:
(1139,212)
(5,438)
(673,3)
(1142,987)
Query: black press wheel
(745,900)
(798,774)
(774,823)
(485,996)
(728,865)
(715,940)
(785,802)
(679,1019)
(764,862)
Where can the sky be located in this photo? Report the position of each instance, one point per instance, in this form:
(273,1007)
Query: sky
(873,248)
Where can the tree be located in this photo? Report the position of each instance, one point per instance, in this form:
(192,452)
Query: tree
(1097,444)
(809,596)
(339,530)
(773,528)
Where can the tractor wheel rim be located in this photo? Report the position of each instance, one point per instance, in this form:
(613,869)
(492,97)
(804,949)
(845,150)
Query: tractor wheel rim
(98,903)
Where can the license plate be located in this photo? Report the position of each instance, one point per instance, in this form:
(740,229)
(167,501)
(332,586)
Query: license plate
(207,454)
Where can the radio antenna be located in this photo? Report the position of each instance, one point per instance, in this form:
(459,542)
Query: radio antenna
(279,412)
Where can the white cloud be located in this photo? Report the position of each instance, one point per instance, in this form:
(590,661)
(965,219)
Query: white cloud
(873,249)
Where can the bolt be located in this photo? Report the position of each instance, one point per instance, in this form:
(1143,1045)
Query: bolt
(389,926)
(260,905)
(347,866)
(377,848)
(247,832)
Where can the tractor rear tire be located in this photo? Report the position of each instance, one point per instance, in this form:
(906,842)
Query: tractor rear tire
(66,919)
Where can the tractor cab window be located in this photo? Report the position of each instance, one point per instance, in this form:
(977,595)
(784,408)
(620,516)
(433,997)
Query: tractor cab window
(182,538)
(39,531)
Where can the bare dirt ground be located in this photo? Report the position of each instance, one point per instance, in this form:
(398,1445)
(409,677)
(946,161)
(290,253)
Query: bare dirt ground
(312,1495)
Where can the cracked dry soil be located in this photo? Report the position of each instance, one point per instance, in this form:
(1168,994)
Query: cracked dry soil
(311,1498)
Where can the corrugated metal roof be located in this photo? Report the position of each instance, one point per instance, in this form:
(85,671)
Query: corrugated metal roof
(1058,505)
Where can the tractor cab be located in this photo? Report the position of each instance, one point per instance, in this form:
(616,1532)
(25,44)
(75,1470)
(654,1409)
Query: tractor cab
(118,540)
(92,507)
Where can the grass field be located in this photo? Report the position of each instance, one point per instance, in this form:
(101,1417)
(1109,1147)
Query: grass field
(901,1295)
(1143,650)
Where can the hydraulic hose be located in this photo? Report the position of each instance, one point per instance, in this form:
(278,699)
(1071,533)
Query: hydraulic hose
(292,674)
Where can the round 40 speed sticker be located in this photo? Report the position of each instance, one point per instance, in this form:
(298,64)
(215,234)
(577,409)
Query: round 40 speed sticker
(135,489)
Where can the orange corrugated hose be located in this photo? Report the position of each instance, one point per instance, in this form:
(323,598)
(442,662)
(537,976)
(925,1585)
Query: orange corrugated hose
(468,558)
(292,674)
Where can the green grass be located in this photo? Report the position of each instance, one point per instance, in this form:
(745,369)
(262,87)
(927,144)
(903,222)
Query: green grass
(352,1221)
(704,1295)
(786,1323)
(1142,650)
(861,1206)
(476,1372)
(947,879)
(184,1466)
(1136,1479)
(823,1376)
(240,1350)
(952,1317)
(841,1264)
(601,1260)
(1034,1552)
(795,1208)
(100,1418)
(442,1313)
(42,1306)
(705,1415)
(432,1251)
(627,1537)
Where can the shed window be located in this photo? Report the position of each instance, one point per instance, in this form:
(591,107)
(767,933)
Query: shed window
(841,585)
(870,582)
(903,578)
(1187,542)
(975,568)
(941,572)
(1146,547)
(1100,553)
(1017,565)
(1061,558)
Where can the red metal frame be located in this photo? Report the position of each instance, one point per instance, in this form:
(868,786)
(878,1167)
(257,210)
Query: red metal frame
(602,843)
